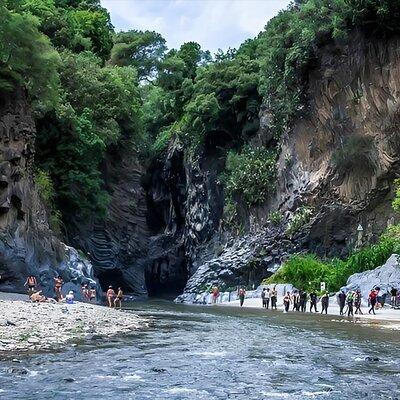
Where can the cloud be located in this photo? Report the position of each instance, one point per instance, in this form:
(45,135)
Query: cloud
(212,23)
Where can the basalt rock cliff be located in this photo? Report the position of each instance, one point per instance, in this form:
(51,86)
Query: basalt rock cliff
(164,230)
(353,97)
(27,244)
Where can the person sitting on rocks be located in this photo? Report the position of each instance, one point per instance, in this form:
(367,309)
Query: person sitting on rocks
(38,297)
(85,292)
(110,296)
(119,298)
(92,294)
(69,298)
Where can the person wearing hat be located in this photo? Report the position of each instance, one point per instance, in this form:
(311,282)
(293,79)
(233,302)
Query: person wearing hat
(110,296)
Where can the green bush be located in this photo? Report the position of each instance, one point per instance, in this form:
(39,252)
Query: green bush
(358,153)
(300,218)
(396,200)
(45,186)
(275,217)
(250,174)
(307,271)
(303,271)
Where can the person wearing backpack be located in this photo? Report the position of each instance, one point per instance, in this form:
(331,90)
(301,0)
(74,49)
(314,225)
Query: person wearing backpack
(349,301)
(373,294)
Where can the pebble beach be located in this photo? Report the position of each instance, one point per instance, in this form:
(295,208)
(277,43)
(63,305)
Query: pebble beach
(30,327)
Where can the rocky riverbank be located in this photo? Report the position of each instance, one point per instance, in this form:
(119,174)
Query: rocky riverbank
(26,326)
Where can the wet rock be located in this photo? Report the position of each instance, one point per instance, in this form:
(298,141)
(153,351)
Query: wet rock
(159,370)
(18,371)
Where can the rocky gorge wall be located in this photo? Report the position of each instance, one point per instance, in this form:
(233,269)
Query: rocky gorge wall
(352,111)
(27,244)
(164,229)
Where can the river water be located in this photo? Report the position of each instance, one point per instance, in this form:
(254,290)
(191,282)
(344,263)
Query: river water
(194,352)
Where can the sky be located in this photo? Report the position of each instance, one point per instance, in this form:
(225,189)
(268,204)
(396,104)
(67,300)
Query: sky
(215,24)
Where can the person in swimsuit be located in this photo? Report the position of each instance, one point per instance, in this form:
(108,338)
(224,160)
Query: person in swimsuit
(31,284)
(58,286)
(110,296)
(119,298)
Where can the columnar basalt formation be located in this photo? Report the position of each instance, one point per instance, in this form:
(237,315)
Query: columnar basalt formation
(27,244)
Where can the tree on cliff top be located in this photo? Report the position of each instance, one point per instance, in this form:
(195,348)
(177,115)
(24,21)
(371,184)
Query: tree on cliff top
(27,58)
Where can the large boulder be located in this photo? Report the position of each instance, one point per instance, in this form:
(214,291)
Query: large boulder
(386,277)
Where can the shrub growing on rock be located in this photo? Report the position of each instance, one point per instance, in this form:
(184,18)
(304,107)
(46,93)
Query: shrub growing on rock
(358,153)
(250,174)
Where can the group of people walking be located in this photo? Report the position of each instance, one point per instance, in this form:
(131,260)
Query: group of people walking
(349,303)
(298,300)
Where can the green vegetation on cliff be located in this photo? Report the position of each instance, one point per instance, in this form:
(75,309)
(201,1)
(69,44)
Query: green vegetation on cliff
(95,90)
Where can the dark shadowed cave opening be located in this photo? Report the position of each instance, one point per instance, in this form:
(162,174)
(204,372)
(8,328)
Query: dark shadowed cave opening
(164,279)
(111,277)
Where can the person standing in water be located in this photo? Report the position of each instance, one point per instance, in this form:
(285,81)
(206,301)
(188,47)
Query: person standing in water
(325,303)
(110,296)
(313,301)
(214,294)
(349,301)
(303,301)
(242,294)
(372,300)
(286,302)
(274,298)
(342,301)
(357,302)
(119,298)
(393,297)
(264,298)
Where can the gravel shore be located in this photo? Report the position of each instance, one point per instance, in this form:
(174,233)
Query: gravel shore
(26,326)
(386,317)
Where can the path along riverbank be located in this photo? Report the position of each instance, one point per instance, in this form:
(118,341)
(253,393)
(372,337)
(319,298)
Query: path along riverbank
(385,318)
(26,326)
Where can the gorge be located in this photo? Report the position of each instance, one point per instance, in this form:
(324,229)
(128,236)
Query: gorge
(149,183)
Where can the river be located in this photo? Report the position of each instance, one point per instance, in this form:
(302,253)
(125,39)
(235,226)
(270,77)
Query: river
(195,352)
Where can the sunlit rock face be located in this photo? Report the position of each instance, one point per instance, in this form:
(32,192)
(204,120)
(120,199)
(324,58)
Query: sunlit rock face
(385,277)
(27,244)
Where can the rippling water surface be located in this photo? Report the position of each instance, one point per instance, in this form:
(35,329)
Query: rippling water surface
(191,352)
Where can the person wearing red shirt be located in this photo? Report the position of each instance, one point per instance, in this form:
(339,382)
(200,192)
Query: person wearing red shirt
(372,300)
